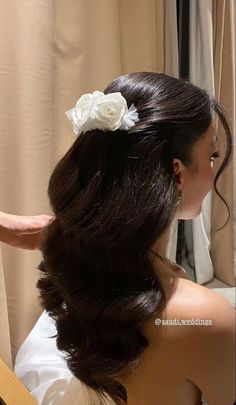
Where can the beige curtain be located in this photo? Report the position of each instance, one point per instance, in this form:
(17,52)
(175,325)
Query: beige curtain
(51,53)
(26,98)
(223,242)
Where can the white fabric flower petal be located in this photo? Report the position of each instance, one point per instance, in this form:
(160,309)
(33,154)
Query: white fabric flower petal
(130,118)
(71,115)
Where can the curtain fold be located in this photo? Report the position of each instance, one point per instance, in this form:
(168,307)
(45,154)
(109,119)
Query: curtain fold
(5,342)
(171,53)
(141,41)
(171,67)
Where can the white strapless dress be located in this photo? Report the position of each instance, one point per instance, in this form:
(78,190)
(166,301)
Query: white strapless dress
(42,369)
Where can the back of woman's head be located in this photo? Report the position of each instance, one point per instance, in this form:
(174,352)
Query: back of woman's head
(113,195)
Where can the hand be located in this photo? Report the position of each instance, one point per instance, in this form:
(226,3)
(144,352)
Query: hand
(23,231)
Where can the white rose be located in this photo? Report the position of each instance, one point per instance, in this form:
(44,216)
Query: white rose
(108,111)
(105,112)
(80,115)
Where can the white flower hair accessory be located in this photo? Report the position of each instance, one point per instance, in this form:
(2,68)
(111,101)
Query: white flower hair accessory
(107,112)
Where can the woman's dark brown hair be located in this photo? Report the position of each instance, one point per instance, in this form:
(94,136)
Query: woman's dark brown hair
(113,195)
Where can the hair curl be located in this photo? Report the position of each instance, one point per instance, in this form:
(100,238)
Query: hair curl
(113,195)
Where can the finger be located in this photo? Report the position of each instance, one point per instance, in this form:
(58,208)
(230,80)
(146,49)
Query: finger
(33,227)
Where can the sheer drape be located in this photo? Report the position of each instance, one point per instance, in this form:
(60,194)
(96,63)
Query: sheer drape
(201,72)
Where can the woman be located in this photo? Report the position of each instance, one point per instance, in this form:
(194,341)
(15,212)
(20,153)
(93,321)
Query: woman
(142,159)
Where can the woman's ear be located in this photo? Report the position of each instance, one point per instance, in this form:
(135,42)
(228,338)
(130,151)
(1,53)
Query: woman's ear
(179,172)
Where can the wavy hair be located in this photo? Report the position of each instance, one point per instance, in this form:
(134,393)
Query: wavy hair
(113,195)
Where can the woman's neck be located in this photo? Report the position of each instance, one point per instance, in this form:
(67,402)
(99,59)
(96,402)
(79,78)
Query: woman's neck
(160,245)
(162,265)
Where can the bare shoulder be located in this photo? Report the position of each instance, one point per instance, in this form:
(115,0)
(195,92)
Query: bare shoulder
(193,302)
(206,348)
(192,299)
(203,314)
